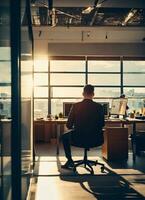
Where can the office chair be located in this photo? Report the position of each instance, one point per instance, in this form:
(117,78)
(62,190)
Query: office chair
(89,163)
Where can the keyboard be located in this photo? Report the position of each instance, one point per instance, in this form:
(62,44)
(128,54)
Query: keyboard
(114,119)
(140,117)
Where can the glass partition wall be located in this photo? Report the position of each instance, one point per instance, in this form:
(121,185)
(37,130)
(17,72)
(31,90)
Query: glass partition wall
(62,81)
(26,104)
(16,47)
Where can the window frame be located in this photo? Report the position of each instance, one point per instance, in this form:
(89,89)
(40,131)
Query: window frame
(121,85)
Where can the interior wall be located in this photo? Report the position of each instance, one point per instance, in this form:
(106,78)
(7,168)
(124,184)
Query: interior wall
(43,48)
(40,49)
(97,49)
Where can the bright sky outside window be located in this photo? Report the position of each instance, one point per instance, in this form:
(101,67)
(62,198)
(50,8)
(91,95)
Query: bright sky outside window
(67,65)
(103,66)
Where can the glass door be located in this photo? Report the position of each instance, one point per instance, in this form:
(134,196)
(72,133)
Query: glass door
(26,82)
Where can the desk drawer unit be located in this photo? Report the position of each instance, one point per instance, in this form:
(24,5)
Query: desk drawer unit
(115,145)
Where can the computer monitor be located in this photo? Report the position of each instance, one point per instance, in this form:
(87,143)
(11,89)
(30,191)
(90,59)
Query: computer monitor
(66,108)
(1,106)
(105,108)
(118,106)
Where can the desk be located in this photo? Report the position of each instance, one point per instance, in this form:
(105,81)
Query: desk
(108,123)
(133,122)
(45,129)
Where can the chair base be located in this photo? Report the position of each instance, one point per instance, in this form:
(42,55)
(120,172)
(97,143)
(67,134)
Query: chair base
(88,165)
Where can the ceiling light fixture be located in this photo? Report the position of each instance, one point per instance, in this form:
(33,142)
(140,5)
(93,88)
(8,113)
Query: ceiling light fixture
(40,32)
(97,4)
(87,10)
(106,36)
(129,16)
(85,34)
(53,17)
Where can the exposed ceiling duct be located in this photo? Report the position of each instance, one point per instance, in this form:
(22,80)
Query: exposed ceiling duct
(129,16)
(95,13)
(97,4)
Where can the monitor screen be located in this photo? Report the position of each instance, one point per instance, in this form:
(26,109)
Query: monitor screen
(1,106)
(66,108)
(105,107)
(118,106)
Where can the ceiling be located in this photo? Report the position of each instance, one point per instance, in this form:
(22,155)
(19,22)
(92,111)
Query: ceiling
(62,21)
(73,13)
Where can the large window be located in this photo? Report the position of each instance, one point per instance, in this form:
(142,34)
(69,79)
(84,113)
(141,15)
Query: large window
(58,81)
(104,66)
(134,83)
(5,125)
(67,66)
(134,73)
(5,82)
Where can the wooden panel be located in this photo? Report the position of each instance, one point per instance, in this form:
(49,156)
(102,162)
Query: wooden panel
(39,127)
(46,130)
(50,131)
(115,145)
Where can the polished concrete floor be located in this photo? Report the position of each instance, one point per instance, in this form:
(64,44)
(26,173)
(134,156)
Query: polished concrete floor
(120,180)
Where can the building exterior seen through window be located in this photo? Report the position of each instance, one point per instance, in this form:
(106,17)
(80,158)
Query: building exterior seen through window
(58,81)
(64,79)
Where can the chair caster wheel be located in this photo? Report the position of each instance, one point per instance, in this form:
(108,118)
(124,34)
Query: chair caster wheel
(96,162)
(102,169)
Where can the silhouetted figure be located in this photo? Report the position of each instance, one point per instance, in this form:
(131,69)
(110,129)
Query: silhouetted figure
(86,117)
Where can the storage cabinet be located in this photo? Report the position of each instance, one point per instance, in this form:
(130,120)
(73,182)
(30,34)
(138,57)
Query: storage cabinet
(115,145)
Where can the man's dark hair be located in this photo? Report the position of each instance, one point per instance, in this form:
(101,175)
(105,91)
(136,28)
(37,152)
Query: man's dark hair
(88,89)
(122,96)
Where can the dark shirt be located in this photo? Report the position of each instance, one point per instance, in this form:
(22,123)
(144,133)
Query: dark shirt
(86,116)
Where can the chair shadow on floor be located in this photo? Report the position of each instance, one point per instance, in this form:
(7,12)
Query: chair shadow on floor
(104,186)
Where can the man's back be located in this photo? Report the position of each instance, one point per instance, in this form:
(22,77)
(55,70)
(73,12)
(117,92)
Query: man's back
(86,116)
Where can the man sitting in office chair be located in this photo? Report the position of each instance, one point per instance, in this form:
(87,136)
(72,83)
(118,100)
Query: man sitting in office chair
(86,118)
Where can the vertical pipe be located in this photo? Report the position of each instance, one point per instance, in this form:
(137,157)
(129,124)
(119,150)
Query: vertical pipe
(86,70)
(30,32)
(121,75)
(49,89)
